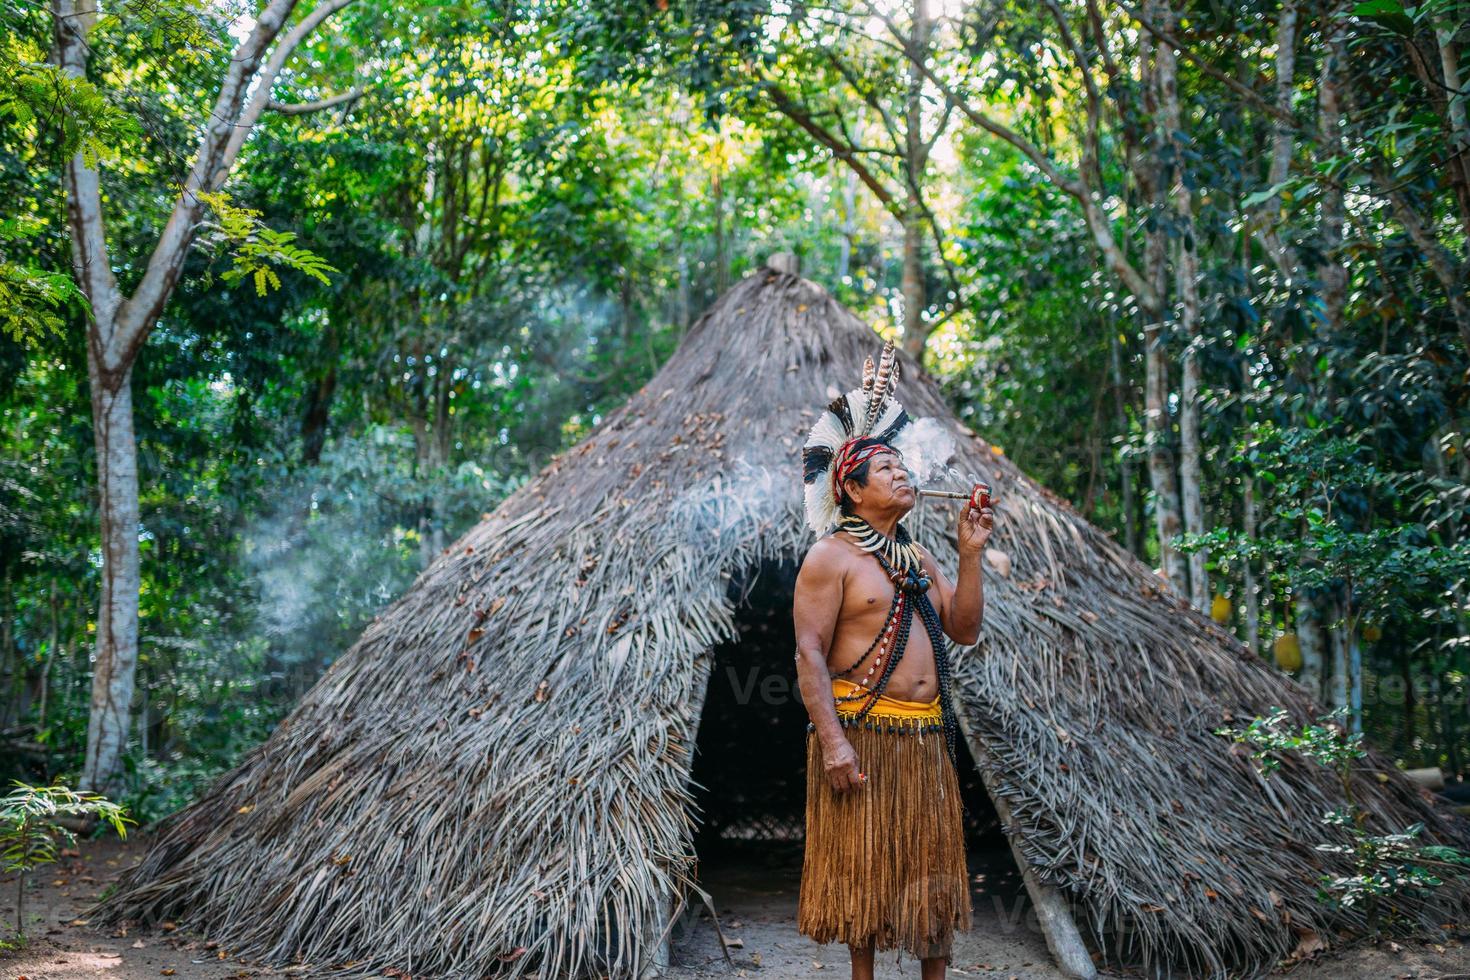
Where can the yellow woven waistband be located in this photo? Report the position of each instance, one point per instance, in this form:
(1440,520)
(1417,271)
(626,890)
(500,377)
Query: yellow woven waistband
(922,712)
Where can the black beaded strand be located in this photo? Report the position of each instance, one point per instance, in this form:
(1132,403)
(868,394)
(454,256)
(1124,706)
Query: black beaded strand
(941,663)
(918,587)
(900,644)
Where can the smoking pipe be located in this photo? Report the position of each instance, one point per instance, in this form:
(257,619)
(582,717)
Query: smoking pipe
(979,497)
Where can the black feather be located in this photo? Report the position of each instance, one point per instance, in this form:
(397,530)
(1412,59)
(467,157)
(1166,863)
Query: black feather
(814,459)
(887,434)
(839,408)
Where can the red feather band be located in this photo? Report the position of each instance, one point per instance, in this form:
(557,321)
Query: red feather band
(847,461)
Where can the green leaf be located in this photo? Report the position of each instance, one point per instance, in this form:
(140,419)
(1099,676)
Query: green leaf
(1386,13)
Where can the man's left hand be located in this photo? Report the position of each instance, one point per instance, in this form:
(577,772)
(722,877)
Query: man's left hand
(973,529)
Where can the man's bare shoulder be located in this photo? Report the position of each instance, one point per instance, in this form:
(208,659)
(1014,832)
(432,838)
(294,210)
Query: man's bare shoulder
(829,555)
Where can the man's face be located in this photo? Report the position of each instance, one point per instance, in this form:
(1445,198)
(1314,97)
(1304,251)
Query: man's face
(888,485)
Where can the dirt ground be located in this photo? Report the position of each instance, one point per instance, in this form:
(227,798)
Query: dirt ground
(754,895)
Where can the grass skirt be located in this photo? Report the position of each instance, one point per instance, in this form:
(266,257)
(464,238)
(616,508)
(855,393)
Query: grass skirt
(886,862)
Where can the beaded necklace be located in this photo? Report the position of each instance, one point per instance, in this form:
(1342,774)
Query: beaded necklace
(901,562)
(896,552)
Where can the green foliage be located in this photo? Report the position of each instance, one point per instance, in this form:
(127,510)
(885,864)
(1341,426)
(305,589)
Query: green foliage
(256,248)
(40,97)
(1327,744)
(1382,865)
(32,301)
(1330,525)
(29,834)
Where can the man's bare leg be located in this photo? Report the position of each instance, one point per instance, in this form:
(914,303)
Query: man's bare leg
(932,968)
(862,961)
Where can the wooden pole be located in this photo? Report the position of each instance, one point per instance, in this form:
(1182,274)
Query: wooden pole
(661,930)
(1063,937)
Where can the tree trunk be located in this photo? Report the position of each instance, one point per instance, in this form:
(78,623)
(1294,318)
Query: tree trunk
(1281,142)
(1331,274)
(319,402)
(682,300)
(1265,218)
(53,643)
(1249,516)
(915,330)
(1186,283)
(1450,726)
(1455,117)
(1160,453)
(1355,678)
(115,656)
(1252,590)
(442,445)
(10,670)
(1406,672)
(1156,357)
(849,225)
(1337,639)
(1125,462)
(1309,636)
(722,258)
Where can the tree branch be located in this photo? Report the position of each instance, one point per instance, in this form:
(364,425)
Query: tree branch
(927,146)
(265,80)
(1100,37)
(1235,85)
(302,108)
(1450,273)
(138,314)
(868,96)
(1090,163)
(90,255)
(840,150)
(1097,221)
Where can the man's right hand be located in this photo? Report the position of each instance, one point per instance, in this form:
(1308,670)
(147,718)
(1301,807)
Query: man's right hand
(841,765)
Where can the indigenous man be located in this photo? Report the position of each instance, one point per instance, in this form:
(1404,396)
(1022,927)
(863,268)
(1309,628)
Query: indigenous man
(885,856)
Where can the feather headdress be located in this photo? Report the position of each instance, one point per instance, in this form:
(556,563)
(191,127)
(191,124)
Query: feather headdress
(869,410)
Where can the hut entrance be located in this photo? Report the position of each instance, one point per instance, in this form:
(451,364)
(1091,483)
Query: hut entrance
(749,772)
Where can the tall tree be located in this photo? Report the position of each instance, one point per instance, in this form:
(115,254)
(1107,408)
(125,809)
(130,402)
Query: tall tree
(121,321)
(1186,286)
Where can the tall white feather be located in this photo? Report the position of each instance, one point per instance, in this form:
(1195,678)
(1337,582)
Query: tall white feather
(822,511)
(827,432)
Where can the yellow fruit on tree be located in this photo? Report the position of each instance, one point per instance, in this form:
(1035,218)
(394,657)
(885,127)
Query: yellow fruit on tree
(1220,609)
(1372,632)
(1288,652)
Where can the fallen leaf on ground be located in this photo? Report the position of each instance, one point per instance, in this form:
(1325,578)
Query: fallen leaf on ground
(1309,945)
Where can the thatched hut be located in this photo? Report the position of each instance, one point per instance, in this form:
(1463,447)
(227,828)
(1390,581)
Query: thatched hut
(496,777)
